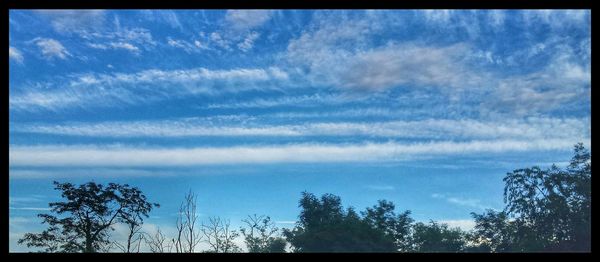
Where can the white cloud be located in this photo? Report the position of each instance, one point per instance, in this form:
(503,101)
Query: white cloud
(557,19)
(97,46)
(247,19)
(47,100)
(57,155)
(126,46)
(91,172)
(219,40)
(464,224)
(380,188)
(338,53)
(438,15)
(394,65)
(51,48)
(530,128)
(31,208)
(187,46)
(285,222)
(563,80)
(117,89)
(467,202)
(497,17)
(248,42)
(15,54)
(132,39)
(74,21)
(304,100)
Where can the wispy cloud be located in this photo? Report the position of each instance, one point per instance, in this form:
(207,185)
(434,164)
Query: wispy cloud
(79,90)
(530,128)
(25,199)
(51,48)
(381,188)
(466,202)
(15,54)
(464,224)
(115,45)
(30,208)
(56,155)
(247,19)
(186,46)
(74,21)
(248,42)
(285,222)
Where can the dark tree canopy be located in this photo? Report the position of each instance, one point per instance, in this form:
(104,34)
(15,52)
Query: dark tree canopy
(546,210)
(436,237)
(325,226)
(82,222)
(395,226)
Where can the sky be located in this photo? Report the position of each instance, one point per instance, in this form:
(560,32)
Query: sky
(248,108)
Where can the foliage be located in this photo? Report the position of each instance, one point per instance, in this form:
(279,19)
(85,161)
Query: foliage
(550,209)
(325,227)
(261,235)
(436,237)
(82,222)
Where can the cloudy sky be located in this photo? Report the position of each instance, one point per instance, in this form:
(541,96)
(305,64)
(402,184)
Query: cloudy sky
(428,108)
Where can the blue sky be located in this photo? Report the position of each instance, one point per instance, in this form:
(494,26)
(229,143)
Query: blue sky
(248,108)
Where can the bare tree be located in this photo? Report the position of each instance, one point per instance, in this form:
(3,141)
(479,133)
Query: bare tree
(188,234)
(134,237)
(191,233)
(220,236)
(261,235)
(157,243)
(180,225)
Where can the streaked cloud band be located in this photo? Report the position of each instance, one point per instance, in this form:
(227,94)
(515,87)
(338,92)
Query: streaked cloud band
(93,155)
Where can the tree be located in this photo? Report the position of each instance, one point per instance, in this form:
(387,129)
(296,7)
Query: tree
(546,210)
(157,243)
(552,208)
(220,236)
(397,227)
(435,237)
(493,232)
(261,235)
(82,222)
(324,226)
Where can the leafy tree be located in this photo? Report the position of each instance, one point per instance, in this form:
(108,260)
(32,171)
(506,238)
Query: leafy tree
(552,207)
(435,237)
(261,235)
(324,226)
(546,210)
(494,232)
(395,226)
(82,222)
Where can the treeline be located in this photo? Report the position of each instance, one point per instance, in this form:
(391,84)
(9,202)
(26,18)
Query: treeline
(546,211)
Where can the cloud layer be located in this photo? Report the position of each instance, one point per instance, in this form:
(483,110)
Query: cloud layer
(51,155)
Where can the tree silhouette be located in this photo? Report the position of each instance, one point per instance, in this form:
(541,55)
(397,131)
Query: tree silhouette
(324,226)
(220,236)
(82,222)
(550,209)
(260,235)
(436,237)
(397,227)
